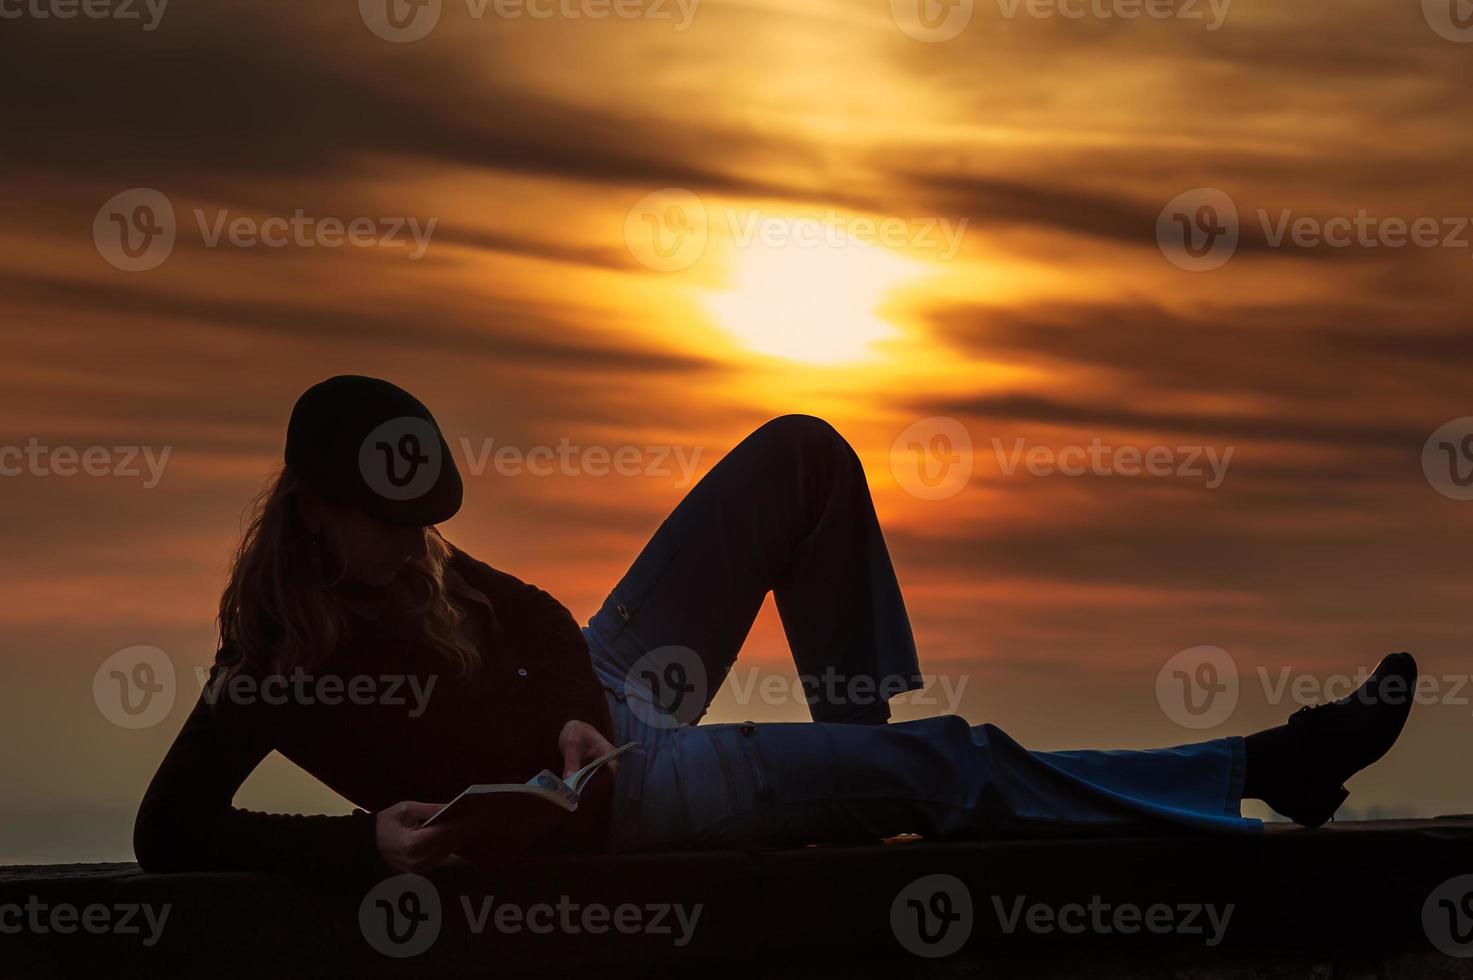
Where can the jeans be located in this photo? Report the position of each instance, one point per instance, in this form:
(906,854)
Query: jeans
(789,511)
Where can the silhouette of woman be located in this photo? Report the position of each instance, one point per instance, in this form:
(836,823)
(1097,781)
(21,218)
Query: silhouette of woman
(360,644)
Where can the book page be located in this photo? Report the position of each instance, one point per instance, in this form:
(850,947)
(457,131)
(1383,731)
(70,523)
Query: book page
(579,779)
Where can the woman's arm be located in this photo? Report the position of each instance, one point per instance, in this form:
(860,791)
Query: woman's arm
(186,821)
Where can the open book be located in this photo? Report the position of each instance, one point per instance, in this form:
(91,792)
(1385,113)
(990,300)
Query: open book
(482,799)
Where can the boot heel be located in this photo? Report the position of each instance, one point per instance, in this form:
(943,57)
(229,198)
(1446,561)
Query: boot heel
(1314,811)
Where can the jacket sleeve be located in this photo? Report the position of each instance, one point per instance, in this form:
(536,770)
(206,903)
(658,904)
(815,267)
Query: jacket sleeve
(552,636)
(186,821)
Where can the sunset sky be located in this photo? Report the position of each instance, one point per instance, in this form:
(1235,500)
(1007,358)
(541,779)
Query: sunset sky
(660,231)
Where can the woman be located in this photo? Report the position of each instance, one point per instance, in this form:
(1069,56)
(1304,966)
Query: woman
(398,670)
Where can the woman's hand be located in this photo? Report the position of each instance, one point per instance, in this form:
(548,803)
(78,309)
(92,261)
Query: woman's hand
(580,743)
(408,848)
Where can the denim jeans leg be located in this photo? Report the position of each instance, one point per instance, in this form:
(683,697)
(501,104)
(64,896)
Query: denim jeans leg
(784,785)
(787,511)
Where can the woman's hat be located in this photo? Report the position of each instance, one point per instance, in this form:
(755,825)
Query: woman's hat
(366,442)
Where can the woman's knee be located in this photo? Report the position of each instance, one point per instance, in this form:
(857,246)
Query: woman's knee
(801,427)
(808,436)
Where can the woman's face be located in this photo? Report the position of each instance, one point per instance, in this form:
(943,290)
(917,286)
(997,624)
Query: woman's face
(372,552)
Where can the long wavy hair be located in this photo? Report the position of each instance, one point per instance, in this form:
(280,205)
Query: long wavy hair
(281,610)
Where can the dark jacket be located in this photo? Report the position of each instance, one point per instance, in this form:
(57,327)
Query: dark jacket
(368,732)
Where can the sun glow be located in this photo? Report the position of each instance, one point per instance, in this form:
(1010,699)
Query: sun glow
(816,302)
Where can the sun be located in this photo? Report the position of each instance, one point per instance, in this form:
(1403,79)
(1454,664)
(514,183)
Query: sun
(811,301)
